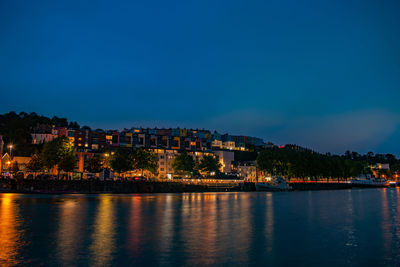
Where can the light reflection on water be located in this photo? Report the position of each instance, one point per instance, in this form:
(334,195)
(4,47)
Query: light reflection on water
(346,227)
(71,227)
(103,238)
(10,236)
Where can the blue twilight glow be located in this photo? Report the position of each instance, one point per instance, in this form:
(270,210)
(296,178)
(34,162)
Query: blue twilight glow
(323,74)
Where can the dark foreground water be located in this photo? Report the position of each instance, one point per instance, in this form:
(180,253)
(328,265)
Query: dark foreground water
(330,228)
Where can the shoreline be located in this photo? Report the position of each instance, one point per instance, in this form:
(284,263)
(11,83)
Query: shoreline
(142,187)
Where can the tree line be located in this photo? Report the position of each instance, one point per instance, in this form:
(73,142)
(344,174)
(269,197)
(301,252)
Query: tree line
(16,129)
(292,163)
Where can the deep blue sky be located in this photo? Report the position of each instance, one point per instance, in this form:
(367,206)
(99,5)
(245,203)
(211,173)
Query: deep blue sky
(323,74)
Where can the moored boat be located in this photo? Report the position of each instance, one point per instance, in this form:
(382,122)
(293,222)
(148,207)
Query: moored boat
(275,183)
(368,181)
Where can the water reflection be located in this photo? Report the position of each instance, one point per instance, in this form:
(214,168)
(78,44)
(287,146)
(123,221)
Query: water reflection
(216,226)
(71,230)
(103,239)
(135,225)
(363,227)
(198,216)
(10,234)
(269,227)
(390,224)
(166,213)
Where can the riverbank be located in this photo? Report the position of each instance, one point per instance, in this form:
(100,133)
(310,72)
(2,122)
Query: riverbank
(95,186)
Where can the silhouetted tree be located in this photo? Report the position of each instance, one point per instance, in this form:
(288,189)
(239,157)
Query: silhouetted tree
(183,164)
(209,164)
(145,160)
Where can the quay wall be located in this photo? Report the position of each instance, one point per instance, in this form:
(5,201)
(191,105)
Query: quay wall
(96,186)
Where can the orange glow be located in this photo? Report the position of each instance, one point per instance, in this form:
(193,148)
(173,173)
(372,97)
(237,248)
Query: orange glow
(103,238)
(10,236)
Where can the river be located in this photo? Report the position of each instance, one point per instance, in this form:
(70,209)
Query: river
(308,228)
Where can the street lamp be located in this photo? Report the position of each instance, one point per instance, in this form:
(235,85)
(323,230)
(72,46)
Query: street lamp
(10,147)
(106,155)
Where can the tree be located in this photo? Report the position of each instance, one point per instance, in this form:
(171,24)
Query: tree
(264,161)
(58,152)
(184,164)
(51,153)
(94,165)
(145,160)
(35,163)
(67,162)
(209,164)
(121,161)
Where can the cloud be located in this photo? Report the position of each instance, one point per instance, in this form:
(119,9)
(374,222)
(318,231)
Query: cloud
(360,131)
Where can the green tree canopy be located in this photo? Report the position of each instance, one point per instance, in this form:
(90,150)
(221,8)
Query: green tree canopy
(58,151)
(121,161)
(17,128)
(183,164)
(209,164)
(67,162)
(94,165)
(294,163)
(145,160)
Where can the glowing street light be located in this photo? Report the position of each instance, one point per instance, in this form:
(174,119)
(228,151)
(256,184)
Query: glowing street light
(10,147)
(106,155)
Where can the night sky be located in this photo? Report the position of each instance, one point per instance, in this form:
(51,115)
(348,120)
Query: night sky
(322,74)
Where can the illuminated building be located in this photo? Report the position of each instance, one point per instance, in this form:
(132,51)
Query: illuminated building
(43,135)
(247,170)
(225,158)
(166,156)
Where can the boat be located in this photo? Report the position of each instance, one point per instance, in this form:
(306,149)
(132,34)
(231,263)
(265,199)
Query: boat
(368,181)
(275,183)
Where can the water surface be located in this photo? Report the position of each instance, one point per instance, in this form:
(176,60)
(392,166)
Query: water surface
(310,228)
